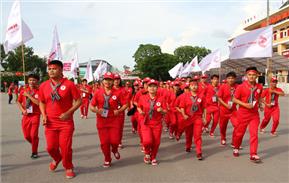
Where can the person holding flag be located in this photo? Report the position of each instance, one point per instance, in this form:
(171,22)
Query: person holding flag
(85,91)
(248,97)
(108,104)
(58,100)
(272,109)
(151,109)
(29,106)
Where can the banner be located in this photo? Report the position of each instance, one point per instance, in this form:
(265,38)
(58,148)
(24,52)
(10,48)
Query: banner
(254,44)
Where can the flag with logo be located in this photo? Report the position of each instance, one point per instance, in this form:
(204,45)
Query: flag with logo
(88,73)
(17,32)
(211,61)
(254,44)
(55,52)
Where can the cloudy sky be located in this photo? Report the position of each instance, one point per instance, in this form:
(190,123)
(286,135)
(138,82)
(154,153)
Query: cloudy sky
(112,30)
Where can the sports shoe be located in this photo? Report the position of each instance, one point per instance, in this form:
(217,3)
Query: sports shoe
(34,156)
(171,136)
(255,159)
(85,117)
(120,146)
(69,173)
(147,159)
(53,165)
(206,130)
(154,162)
(199,157)
(274,134)
(81,116)
(212,135)
(188,150)
(223,142)
(106,164)
(262,131)
(236,152)
(142,149)
(116,155)
(234,146)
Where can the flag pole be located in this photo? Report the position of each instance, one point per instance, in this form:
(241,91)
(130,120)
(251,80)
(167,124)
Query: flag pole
(269,61)
(23,63)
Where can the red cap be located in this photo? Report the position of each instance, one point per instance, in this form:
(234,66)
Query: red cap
(176,83)
(136,83)
(116,76)
(185,85)
(147,79)
(152,81)
(195,78)
(108,75)
(204,76)
(274,79)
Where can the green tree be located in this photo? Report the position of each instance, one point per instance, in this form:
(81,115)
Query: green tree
(32,62)
(187,53)
(151,62)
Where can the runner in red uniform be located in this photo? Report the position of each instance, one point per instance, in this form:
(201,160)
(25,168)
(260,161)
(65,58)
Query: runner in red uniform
(58,99)
(272,109)
(85,91)
(212,105)
(29,106)
(228,110)
(247,96)
(107,103)
(192,107)
(151,108)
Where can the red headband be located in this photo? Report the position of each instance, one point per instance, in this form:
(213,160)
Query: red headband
(254,71)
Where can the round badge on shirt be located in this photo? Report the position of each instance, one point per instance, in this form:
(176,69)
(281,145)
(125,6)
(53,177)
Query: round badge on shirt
(113,97)
(36,96)
(158,104)
(258,90)
(199,100)
(62,87)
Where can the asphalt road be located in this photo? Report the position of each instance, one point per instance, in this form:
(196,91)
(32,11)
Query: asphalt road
(175,165)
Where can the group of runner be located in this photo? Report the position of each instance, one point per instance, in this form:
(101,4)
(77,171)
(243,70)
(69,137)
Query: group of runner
(186,105)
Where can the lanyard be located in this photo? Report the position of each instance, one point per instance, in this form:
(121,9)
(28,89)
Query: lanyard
(54,94)
(232,93)
(106,101)
(28,101)
(251,98)
(151,110)
(194,106)
(272,97)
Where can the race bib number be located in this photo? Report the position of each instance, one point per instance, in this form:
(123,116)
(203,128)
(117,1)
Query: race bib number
(29,110)
(273,103)
(254,103)
(230,104)
(214,99)
(104,113)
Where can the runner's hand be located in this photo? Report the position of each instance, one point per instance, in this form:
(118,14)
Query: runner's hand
(64,116)
(44,120)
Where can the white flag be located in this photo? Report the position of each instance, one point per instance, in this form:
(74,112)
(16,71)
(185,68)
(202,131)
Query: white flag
(74,65)
(256,43)
(182,74)
(96,73)
(213,60)
(192,67)
(55,52)
(176,70)
(17,31)
(88,73)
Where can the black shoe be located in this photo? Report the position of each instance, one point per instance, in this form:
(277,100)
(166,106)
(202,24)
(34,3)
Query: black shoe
(34,156)
(199,157)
